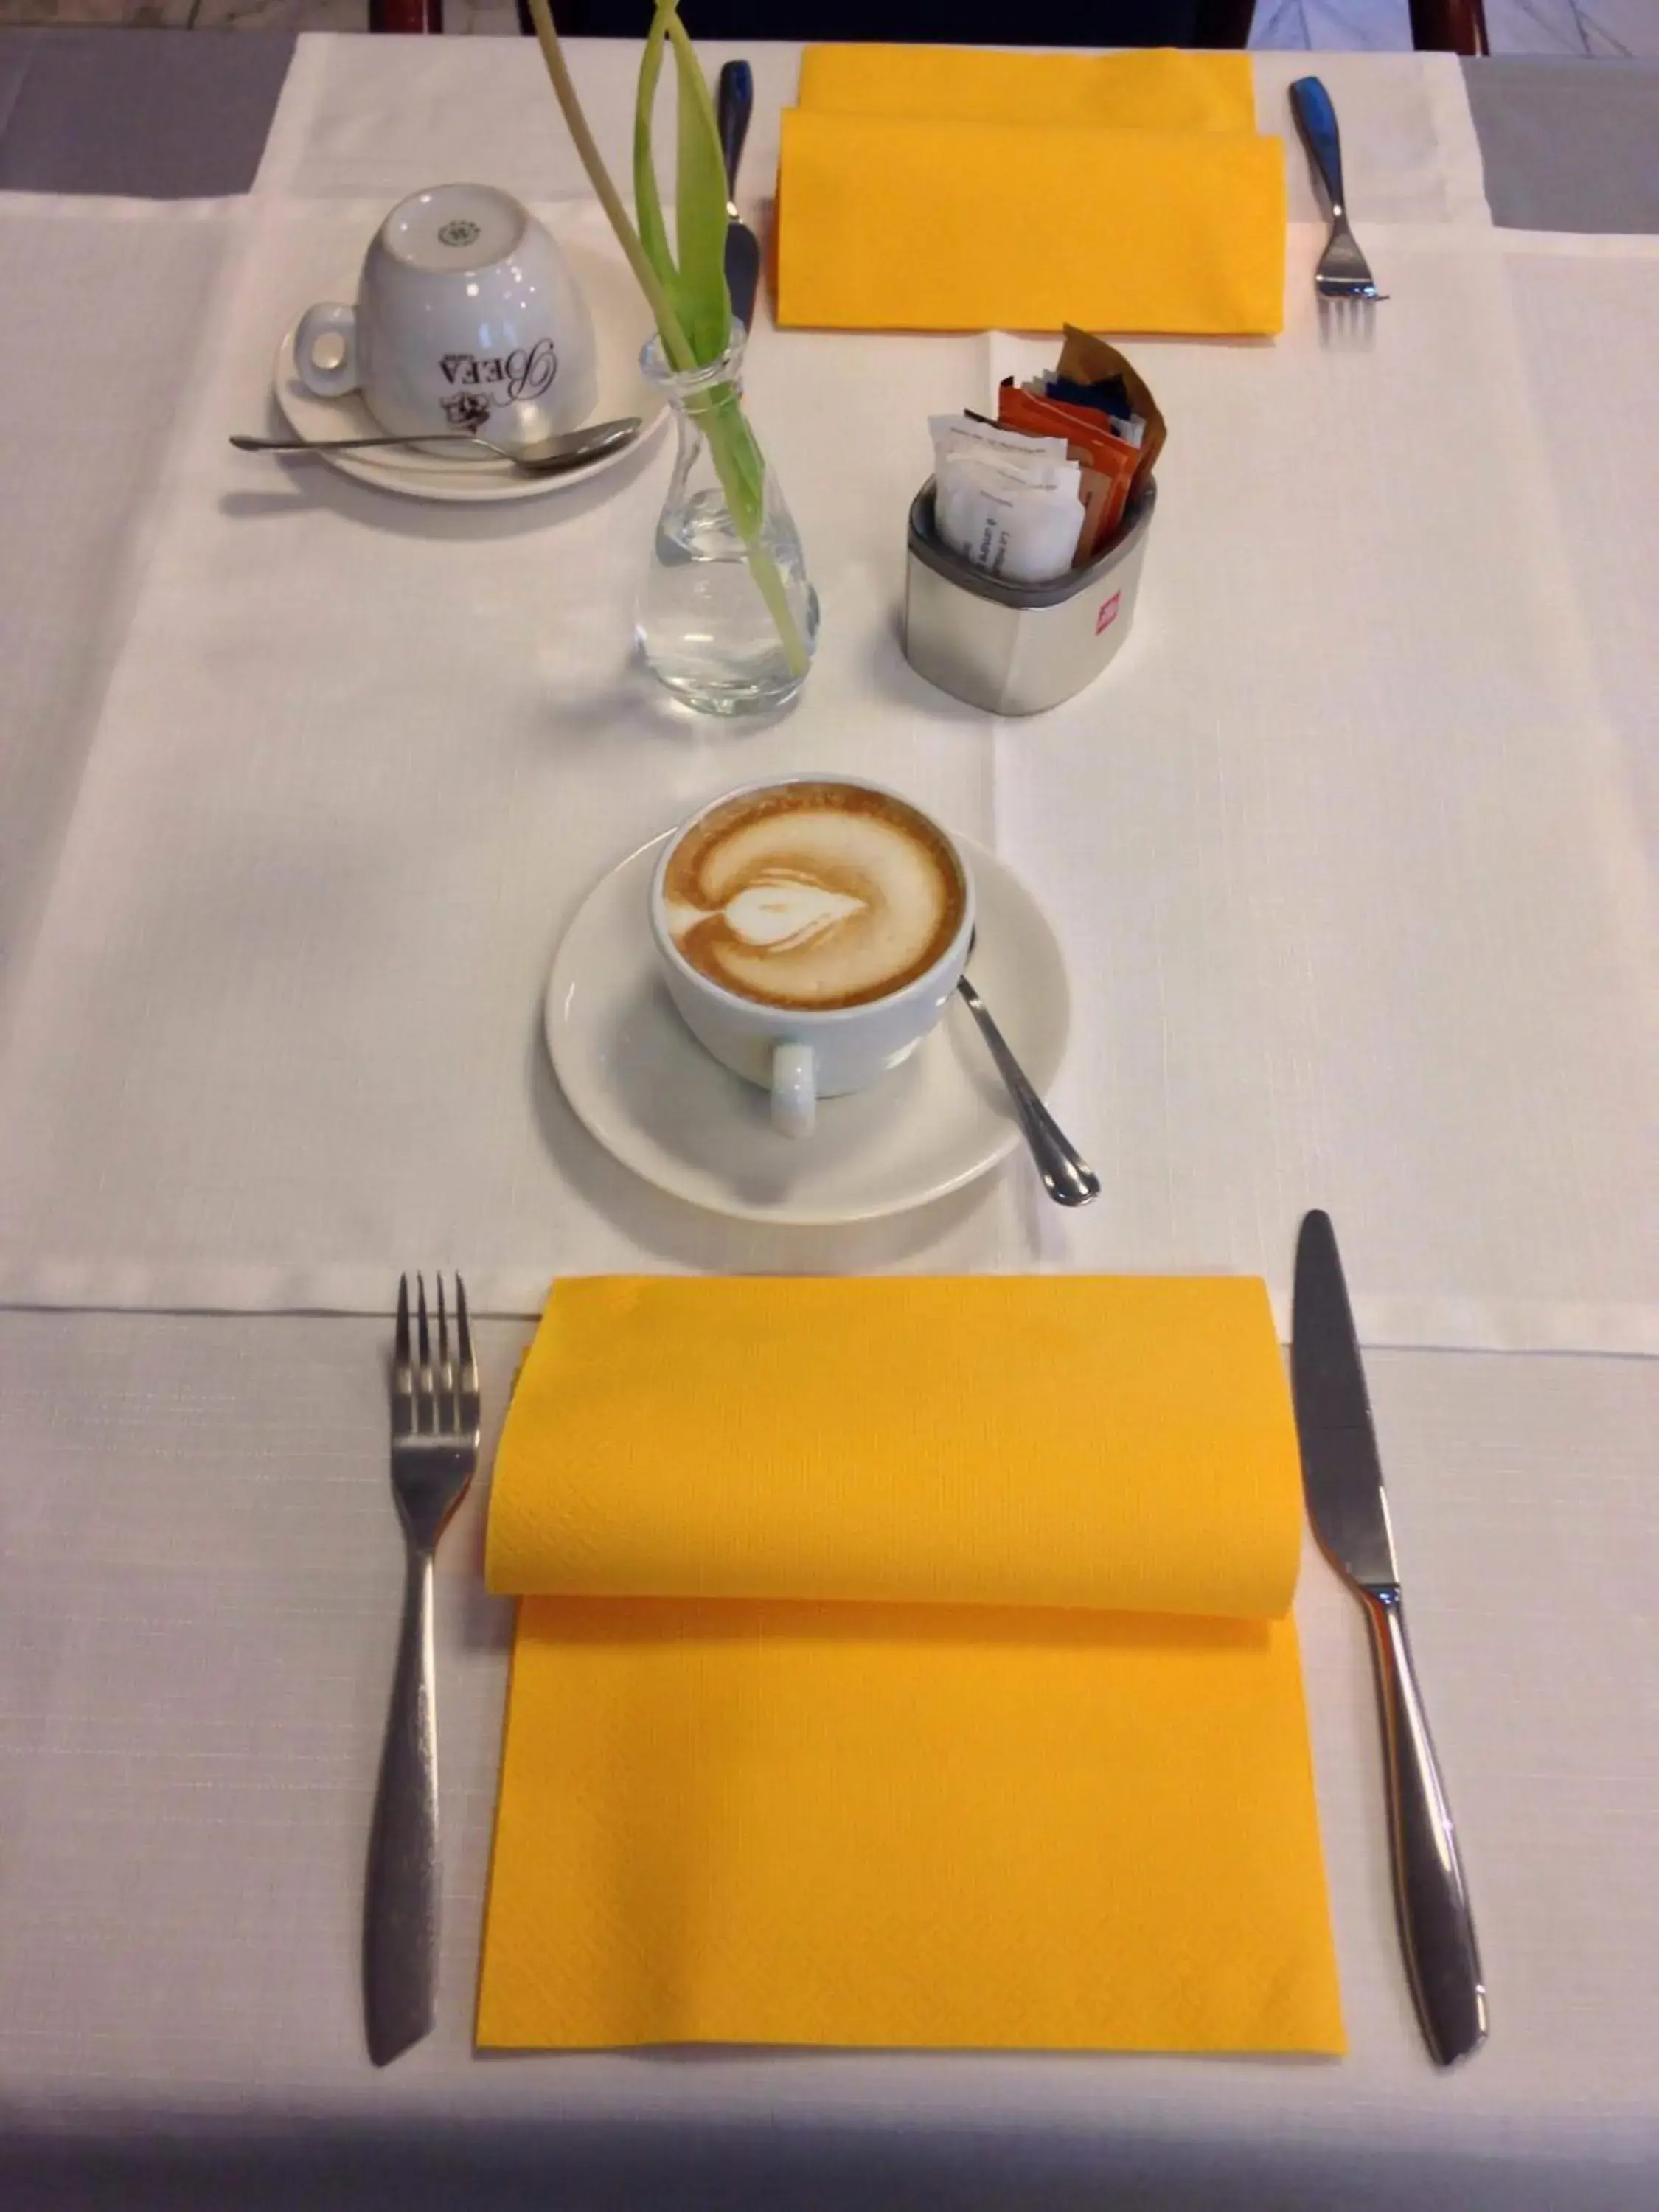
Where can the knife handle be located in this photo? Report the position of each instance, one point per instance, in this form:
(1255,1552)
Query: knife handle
(1315,119)
(1434,1923)
(734,106)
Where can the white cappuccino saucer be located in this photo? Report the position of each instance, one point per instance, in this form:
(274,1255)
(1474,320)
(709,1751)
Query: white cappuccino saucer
(621,324)
(643,1086)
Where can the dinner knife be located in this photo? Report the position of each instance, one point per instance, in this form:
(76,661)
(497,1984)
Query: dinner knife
(1342,1477)
(734,105)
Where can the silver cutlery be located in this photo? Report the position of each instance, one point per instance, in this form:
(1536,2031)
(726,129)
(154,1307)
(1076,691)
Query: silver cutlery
(1067,1177)
(734,105)
(547,457)
(1343,274)
(1342,1477)
(434,1453)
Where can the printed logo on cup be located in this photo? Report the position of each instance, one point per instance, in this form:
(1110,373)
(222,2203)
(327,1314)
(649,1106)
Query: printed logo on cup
(1108,613)
(495,381)
(524,373)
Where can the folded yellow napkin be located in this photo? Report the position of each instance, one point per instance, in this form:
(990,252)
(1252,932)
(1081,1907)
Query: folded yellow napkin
(1158,89)
(904,1662)
(928,188)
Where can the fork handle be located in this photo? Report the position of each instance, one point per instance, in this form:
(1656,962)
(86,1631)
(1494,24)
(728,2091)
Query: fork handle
(400,1906)
(736,104)
(1315,119)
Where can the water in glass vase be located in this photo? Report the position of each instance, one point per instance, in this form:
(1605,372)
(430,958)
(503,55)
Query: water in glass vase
(727,618)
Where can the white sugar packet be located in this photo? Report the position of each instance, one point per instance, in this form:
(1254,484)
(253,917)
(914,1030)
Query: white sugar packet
(1010,504)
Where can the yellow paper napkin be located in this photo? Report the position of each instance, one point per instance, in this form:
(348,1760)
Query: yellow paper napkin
(1158,89)
(947,189)
(902,1663)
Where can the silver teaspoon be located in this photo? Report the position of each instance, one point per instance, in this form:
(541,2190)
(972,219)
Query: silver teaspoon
(547,457)
(1068,1178)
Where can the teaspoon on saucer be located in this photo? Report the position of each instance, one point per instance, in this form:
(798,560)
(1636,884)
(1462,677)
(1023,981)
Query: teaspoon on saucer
(546,456)
(1068,1178)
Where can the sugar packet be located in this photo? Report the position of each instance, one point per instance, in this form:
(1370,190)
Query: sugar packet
(1089,436)
(1086,359)
(1010,503)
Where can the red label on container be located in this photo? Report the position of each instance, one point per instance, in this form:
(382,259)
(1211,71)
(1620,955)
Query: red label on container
(1108,613)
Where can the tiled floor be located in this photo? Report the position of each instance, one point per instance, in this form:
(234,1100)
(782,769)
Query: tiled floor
(1604,29)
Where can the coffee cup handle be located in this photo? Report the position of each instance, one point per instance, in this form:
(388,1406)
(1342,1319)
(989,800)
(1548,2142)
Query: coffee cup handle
(794,1098)
(327,319)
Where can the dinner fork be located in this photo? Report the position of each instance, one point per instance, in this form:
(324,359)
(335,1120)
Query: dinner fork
(434,1453)
(1343,274)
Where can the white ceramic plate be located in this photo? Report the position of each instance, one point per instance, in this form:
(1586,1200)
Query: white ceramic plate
(621,324)
(640,1082)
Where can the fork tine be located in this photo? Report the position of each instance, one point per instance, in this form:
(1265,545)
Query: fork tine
(446,1421)
(467,1378)
(423,1396)
(403,1372)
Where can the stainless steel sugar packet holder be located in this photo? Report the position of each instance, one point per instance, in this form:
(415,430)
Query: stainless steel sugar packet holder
(1018,648)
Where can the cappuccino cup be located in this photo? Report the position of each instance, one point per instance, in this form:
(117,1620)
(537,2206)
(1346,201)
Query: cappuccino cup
(812,931)
(467,317)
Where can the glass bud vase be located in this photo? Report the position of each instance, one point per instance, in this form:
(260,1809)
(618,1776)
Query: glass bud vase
(727,619)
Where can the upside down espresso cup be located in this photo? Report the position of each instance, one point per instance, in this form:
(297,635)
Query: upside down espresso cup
(812,931)
(467,318)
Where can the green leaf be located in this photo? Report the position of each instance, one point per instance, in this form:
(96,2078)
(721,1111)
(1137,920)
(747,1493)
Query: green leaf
(647,200)
(737,458)
(700,217)
(676,344)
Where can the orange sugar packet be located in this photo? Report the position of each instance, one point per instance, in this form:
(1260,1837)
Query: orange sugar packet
(1114,457)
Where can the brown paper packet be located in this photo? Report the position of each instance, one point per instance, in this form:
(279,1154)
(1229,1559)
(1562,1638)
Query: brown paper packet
(1085,359)
(1095,491)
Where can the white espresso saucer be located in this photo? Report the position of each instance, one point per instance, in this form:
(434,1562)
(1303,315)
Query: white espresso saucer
(621,324)
(642,1083)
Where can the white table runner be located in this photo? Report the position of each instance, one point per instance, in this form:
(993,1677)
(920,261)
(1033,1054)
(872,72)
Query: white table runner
(1344,851)
(1340,850)
(1351,833)
(358,120)
(104,302)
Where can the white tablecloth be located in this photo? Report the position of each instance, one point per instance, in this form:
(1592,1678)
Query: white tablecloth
(198,1562)
(198,1597)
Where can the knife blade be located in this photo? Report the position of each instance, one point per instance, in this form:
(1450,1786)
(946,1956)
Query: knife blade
(734,106)
(1342,1481)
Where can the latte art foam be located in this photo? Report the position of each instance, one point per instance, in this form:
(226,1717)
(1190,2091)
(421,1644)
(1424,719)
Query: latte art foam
(813,894)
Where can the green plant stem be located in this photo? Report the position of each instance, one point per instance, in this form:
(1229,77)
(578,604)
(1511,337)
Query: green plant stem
(676,344)
(731,447)
(730,443)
